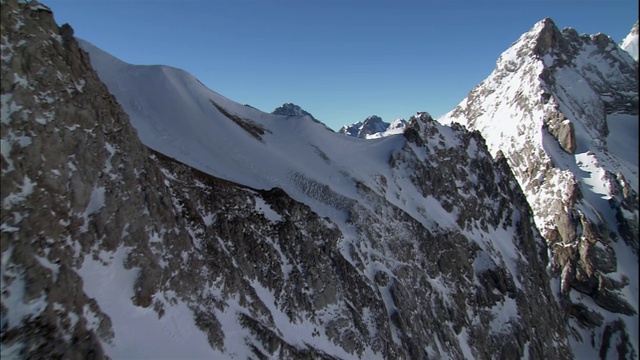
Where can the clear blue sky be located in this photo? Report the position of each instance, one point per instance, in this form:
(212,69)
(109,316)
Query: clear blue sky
(340,60)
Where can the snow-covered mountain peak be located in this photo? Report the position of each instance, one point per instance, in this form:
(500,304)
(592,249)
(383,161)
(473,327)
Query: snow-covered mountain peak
(373,124)
(545,61)
(420,117)
(562,108)
(398,123)
(374,118)
(543,38)
(364,129)
(630,42)
(547,36)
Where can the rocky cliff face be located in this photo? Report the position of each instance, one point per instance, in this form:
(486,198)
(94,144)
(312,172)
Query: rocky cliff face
(562,107)
(75,182)
(111,249)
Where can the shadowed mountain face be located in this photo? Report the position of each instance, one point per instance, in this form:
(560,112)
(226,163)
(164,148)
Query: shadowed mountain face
(563,109)
(168,221)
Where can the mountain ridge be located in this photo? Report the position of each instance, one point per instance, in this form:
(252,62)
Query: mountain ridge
(572,167)
(262,235)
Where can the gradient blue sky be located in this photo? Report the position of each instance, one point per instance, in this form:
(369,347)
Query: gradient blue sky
(340,60)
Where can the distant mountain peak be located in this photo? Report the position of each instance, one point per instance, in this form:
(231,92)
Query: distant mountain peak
(365,129)
(542,38)
(373,118)
(373,124)
(374,127)
(290,109)
(397,124)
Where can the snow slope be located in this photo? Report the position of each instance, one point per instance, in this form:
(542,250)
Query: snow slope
(173,114)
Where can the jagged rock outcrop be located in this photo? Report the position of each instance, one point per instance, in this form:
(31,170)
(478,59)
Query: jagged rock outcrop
(564,146)
(112,249)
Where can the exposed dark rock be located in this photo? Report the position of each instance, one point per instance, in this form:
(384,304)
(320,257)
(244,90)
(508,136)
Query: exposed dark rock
(584,315)
(290,109)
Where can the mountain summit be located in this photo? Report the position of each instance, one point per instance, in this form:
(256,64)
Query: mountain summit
(289,109)
(630,42)
(371,125)
(563,109)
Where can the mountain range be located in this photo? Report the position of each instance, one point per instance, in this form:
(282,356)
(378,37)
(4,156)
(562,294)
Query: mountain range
(373,127)
(147,216)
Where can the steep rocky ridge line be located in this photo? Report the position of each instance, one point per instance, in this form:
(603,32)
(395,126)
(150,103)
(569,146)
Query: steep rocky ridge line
(558,139)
